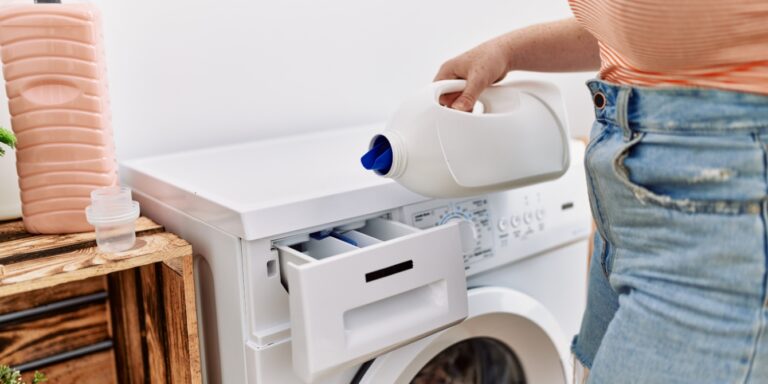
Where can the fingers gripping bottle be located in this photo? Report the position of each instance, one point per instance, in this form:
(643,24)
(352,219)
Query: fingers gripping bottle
(55,73)
(519,138)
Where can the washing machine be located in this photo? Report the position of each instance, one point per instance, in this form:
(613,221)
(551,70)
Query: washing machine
(311,270)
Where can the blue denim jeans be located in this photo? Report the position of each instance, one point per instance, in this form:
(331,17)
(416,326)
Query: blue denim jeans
(677,286)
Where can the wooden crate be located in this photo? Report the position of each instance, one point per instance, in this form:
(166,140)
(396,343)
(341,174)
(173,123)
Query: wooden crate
(83,316)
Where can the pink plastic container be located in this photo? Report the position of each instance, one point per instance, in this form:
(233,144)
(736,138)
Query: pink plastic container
(54,67)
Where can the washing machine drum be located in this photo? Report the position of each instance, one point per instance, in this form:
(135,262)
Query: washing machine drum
(507,338)
(478,360)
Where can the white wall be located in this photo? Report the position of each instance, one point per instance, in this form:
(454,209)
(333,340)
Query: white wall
(186,74)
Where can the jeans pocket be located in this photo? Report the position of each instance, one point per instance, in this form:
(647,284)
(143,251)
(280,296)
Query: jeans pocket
(692,174)
(596,134)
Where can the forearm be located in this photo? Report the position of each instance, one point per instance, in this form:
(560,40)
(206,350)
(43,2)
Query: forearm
(558,46)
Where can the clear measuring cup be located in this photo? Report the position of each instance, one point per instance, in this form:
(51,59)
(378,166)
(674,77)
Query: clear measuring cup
(113,213)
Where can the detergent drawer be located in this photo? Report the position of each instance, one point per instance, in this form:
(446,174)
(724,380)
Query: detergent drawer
(367,291)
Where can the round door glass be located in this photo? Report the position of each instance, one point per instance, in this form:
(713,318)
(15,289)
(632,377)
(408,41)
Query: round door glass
(473,361)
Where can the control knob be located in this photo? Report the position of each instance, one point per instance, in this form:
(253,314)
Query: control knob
(469,234)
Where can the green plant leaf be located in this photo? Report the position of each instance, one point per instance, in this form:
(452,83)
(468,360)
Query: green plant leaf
(7,138)
(39,377)
(9,375)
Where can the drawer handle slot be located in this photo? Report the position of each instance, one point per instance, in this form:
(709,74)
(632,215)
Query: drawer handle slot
(388,271)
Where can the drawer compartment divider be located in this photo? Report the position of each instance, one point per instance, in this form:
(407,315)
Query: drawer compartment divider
(361,239)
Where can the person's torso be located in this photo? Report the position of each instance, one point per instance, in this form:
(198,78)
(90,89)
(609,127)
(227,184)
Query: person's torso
(703,43)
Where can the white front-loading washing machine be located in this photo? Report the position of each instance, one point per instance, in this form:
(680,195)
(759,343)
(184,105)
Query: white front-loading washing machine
(310,269)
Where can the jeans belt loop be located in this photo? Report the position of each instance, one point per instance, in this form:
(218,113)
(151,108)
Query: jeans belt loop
(622,107)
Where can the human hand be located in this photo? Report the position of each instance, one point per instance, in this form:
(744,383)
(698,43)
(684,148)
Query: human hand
(480,67)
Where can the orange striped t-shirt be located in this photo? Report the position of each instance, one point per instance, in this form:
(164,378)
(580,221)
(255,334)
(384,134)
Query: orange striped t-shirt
(700,43)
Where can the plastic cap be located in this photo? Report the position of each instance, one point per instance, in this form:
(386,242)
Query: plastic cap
(379,157)
(111,205)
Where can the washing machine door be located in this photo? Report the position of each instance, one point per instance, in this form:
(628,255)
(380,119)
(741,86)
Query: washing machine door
(508,337)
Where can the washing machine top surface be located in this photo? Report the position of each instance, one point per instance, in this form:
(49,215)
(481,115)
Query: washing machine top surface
(269,187)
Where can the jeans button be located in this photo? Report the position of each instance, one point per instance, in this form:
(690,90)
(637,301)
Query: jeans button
(599,99)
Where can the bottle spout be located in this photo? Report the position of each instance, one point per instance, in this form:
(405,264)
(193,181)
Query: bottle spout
(379,156)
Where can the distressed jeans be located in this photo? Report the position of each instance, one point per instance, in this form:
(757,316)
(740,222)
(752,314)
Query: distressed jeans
(677,284)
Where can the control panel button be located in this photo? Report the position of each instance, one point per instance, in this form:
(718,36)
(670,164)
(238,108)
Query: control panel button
(528,217)
(503,224)
(515,221)
(540,214)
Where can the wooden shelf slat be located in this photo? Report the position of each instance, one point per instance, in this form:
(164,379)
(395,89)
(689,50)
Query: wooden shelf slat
(126,306)
(154,324)
(37,246)
(33,339)
(81,264)
(23,301)
(13,229)
(98,368)
(184,292)
(180,316)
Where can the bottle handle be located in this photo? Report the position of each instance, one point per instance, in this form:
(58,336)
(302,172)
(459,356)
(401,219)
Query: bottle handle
(497,99)
(528,116)
(503,100)
(442,87)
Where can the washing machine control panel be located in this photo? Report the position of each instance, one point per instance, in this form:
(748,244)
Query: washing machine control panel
(524,216)
(511,225)
(474,211)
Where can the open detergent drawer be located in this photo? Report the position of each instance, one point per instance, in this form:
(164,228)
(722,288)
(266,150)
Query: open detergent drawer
(371,290)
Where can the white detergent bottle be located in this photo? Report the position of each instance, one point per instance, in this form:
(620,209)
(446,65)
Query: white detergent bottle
(519,137)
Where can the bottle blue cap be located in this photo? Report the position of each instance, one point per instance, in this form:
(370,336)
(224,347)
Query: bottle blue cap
(379,157)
